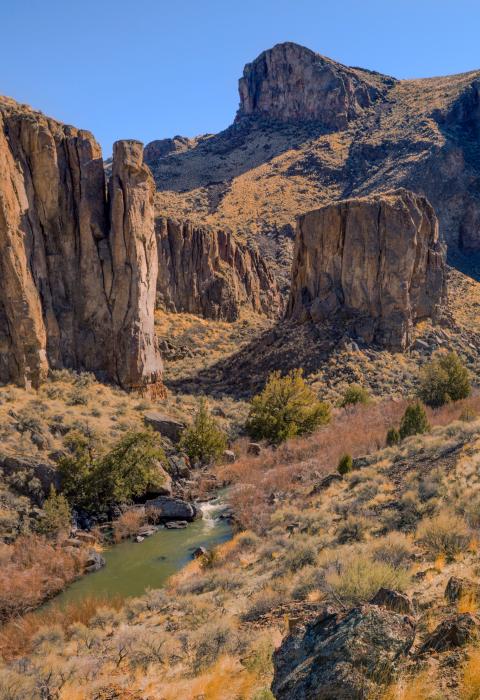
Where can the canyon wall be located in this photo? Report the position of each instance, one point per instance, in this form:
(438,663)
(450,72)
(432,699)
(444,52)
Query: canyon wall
(77,279)
(205,271)
(376,261)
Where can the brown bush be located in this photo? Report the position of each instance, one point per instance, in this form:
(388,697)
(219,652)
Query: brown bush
(16,636)
(128,524)
(33,570)
(361,431)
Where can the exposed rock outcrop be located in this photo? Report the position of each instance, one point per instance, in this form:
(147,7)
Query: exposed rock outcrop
(355,132)
(134,253)
(291,82)
(342,658)
(77,281)
(455,631)
(376,261)
(208,272)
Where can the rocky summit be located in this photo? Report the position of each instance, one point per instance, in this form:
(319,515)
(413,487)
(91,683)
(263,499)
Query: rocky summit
(292,83)
(310,131)
(377,260)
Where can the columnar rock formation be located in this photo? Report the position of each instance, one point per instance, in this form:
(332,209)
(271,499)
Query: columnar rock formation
(134,254)
(290,82)
(76,283)
(207,272)
(376,260)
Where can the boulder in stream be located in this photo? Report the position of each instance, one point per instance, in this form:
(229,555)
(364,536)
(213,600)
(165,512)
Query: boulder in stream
(94,562)
(164,509)
(176,525)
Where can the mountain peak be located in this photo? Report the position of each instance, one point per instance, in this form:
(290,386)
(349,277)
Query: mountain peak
(290,82)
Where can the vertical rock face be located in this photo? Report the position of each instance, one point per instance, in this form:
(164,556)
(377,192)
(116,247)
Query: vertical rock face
(376,260)
(207,272)
(134,255)
(57,284)
(291,82)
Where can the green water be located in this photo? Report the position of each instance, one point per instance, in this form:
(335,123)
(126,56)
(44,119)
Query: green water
(133,567)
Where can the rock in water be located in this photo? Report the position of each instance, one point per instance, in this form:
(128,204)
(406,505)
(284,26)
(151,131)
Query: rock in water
(376,261)
(341,658)
(77,283)
(164,509)
(205,271)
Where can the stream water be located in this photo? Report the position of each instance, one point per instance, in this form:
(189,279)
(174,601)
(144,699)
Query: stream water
(133,567)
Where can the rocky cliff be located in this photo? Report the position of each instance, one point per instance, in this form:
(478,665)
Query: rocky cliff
(77,280)
(207,272)
(290,82)
(310,131)
(375,260)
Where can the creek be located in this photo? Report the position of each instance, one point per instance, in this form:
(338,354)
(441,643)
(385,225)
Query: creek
(133,567)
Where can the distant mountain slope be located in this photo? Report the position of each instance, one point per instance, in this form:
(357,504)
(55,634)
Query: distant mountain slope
(309,131)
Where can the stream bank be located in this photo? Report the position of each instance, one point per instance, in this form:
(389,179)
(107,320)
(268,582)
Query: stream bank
(133,567)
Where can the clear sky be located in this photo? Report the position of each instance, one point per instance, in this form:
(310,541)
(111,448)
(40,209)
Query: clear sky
(151,69)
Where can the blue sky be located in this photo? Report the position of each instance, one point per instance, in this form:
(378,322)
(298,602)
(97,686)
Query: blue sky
(151,69)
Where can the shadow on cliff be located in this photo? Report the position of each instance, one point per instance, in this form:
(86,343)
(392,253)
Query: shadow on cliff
(286,346)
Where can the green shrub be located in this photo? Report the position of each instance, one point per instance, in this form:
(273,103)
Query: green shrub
(345,464)
(360,577)
(393,437)
(56,516)
(125,472)
(355,394)
(395,549)
(414,421)
(444,379)
(353,529)
(468,414)
(445,534)
(285,408)
(203,441)
(300,556)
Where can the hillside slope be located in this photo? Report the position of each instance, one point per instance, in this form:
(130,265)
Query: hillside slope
(309,131)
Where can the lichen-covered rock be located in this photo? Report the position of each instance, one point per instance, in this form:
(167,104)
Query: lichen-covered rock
(342,657)
(63,273)
(376,260)
(290,82)
(458,588)
(455,631)
(207,272)
(393,600)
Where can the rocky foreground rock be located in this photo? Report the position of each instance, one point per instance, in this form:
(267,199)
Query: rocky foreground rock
(77,266)
(342,657)
(207,272)
(374,261)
